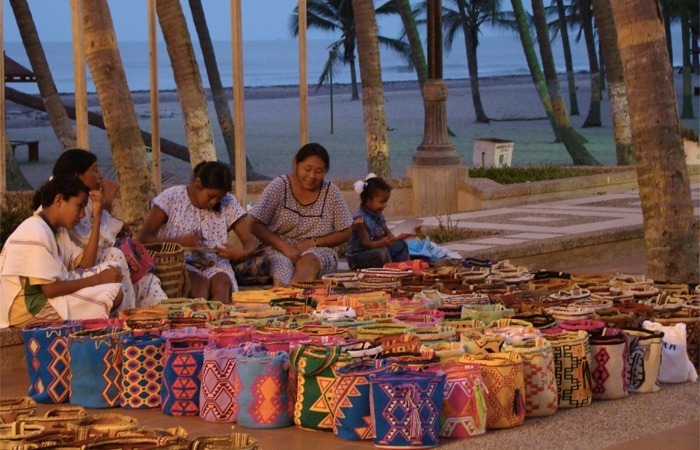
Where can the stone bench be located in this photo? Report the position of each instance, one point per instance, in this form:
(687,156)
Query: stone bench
(32,149)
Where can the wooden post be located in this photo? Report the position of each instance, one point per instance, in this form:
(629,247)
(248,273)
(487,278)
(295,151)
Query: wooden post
(155,98)
(81,110)
(303,77)
(331,85)
(3,138)
(238,97)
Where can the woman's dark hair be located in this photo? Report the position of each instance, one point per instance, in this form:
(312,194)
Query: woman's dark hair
(74,162)
(66,185)
(214,175)
(372,186)
(313,149)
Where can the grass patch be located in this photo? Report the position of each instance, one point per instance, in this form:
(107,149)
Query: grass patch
(512,175)
(13,211)
(449,231)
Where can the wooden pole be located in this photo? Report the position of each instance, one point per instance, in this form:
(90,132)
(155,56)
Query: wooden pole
(330,74)
(3,138)
(303,77)
(155,98)
(238,103)
(81,116)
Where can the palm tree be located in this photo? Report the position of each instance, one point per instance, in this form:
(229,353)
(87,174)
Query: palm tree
(372,91)
(410,27)
(687,111)
(593,117)
(16,181)
(337,16)
(61,124)
(190,90)
(128,149)
(617,91)
(671,230)
(568,61)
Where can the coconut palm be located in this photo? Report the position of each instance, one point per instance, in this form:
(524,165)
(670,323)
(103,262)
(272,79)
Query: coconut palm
(372,91)
(61,124)
(410,27)
(15,179)
(687,110)
(337,16)
(125,141)
(593,116)
(190,90)
(568,61)
(671,230)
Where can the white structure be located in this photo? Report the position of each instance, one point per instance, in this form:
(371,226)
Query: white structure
(692,152)
(492,152)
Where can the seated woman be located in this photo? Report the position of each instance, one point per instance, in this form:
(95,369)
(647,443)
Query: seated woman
(301,217)
(43,275)
(199,216)
(145,291)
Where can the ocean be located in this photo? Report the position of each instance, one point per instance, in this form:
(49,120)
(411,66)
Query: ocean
(275,62)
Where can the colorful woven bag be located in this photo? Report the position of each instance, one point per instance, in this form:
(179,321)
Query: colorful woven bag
(464,405)
(46,350)
(180,384)
(644,360)
(539,375)
(96,366)
(351,407)
(142,367)
(571,367)
(261,381)
(316,366)
(505,387)
(406,408)
(476,343)
(609,351)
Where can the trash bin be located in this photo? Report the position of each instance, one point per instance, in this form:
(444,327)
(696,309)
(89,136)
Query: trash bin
(493,152)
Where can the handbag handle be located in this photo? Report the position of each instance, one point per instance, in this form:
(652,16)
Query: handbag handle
(321,363)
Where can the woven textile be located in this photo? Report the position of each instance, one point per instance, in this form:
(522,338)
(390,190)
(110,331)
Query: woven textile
(464,403)
(406,408)
(46,350)
(476,343)
(571,367)
(505,387)
(316,366)
(261,381)
(644,360)
(539,376)
(142,368)
(609,364)
(217,396)
(96,367)
(180,384)
(351,407)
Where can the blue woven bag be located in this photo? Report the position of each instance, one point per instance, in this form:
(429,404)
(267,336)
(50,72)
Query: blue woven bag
(180,384)
(142,368)
(96,367)
(406,408)
(351,406)
(46,350)
(262,386)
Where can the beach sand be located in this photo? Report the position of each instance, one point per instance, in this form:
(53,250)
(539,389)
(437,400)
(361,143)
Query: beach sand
(272,127)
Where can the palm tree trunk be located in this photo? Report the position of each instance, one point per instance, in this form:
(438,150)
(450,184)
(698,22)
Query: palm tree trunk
(687,111)
(617,91)
(417,54)
(666,13)
(125,142)
(372,91)
(670,226)
(568,61)
(193,100)
(16,181)
(593,117)
(601,64)
(570,138)
(61,124)
(533,63)
(353,79)
(471,41)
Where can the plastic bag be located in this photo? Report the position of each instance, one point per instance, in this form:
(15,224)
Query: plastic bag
(675,364)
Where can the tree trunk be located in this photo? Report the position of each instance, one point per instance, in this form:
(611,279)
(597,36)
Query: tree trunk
(372,91)
(593,117)
(471,42)
(571,140)
(417,54)
(671,230)
(193,100)
(666,13)
(601,64)
(568,61)
(16,181)
(125,141)
(533,63)
(687,110)
(617,91)
(61,124)
(353,79)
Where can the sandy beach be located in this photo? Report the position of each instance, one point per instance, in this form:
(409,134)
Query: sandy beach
(272,127)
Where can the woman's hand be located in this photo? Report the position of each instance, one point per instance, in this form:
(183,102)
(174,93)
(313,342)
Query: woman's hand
(304,245)
(110,275)
(190,240)
(387,241)
(291,252)
(231,252)
(109,189)
(97,205)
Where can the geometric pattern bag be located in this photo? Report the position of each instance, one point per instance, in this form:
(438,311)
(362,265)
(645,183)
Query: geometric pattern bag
(505,388)
(464,404)
(573,373)
(261,381)
(217,399)
(406,407)
(539,374)
(644,360)
(46,350)
(316,366)
(609,364)
(142,369)
(96,359)
(180,384)
(351,406)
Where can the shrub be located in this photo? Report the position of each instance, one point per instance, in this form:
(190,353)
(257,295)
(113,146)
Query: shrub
(13,210)
(512,175)
(449,231)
